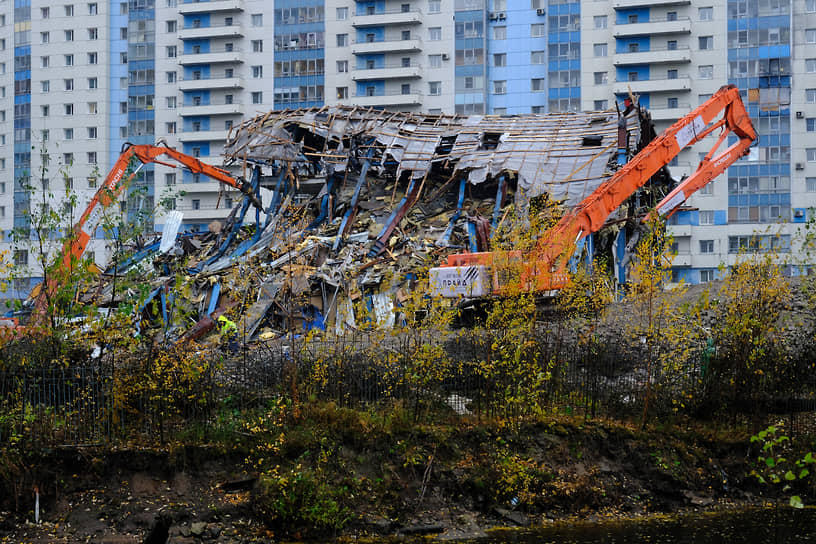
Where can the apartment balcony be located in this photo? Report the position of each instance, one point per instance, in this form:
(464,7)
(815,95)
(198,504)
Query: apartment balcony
(669,114)
(386,46)
(213,31)
(193,7)
(219,56)
(678,231)
(202,135)
(653,56)
(626,4)
(682,258)
(210,109)
(206,212)
(211,83)
(388,17)
(206,186)
(680,25)
(387,100)
(387,72)
(678,84)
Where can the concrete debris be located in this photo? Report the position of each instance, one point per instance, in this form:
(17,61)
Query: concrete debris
(358,203)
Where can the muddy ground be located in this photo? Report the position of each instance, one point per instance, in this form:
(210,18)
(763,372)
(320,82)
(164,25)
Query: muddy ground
(460,483)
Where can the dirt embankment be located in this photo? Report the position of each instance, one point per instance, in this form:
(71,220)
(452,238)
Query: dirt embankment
(453,481)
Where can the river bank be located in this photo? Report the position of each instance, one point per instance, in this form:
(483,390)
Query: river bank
(329,472)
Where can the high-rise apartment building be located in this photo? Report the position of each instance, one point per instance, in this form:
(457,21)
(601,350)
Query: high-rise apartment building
(79,79)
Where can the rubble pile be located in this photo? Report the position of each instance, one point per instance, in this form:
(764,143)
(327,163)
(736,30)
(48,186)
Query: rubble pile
(359,202)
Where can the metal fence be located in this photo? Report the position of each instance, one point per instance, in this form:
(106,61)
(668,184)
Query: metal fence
(450,376)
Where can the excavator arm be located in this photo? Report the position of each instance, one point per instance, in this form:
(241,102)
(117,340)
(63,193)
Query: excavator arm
(114,185)
(474,274)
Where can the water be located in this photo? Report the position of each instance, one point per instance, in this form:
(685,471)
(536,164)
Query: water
(766,526)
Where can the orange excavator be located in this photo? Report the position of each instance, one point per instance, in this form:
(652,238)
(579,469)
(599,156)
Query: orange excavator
(473,275)
(114,184)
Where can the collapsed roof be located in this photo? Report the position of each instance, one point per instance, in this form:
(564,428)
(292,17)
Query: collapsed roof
(565,155)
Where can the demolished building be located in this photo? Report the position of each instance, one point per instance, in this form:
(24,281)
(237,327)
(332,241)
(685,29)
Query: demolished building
(360,202)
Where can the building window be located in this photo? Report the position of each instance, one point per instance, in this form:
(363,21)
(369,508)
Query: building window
(45,13)
(538,30)
(632,76)
(44,61)
(634,47)
(706,217)
(672,103)
(92,133)
(671,45)
(92,83)
(538,85)
(69,84)
(21,257)
(405,88)
(45,37)
(67,158)
(810,35)
(45,86)
(342,40)
(434,6)
(706,42)
(93,8)
(600,105)
(707,275)
(707,189)
(91,157)
(706,71)
(171,51)
(69,60)
(257,97)
(706,246)
(93,34)
(93,58)
(671,74)
(600,21)
(69,10)
(705,13)
(810,185)
(538,57)
(171,102)
(68,133)
(342,93)
(435,88)
(45,111)
(435,33)
(810,96)
(171,26)
(601,78)
(435,61)
(170,77)
(499,86)
(599,49)
(810,124)
(170,178)
(342,14)
(69,35)
(810,152)
(500,59)
(196,204)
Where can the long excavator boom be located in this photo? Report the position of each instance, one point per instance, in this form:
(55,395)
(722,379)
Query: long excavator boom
(474,274)
(115,182)
(114,185)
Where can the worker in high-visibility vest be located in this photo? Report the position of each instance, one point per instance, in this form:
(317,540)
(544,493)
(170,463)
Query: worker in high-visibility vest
(229,332)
